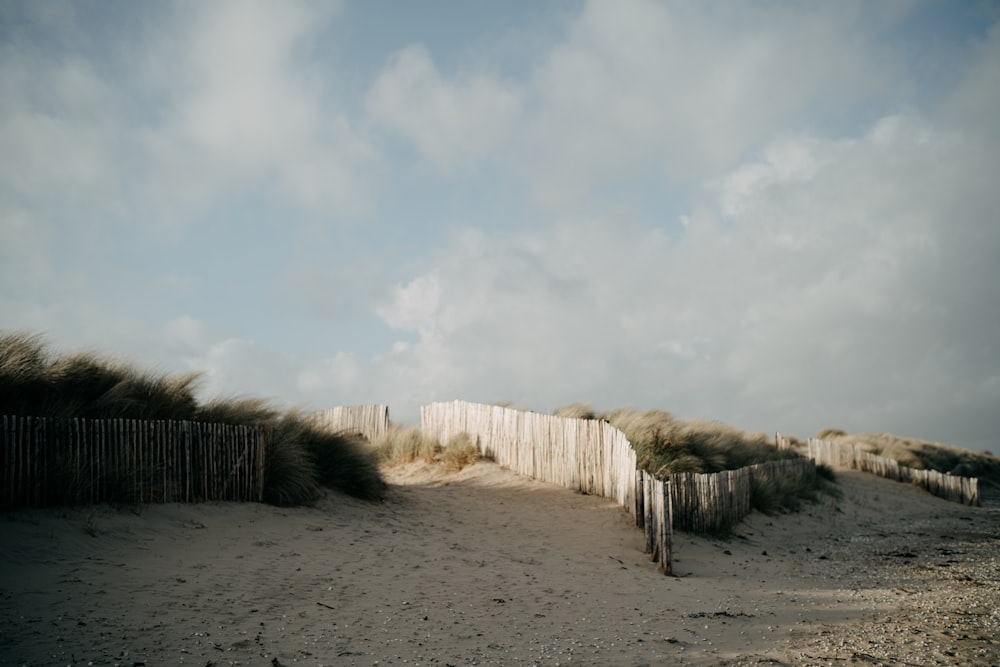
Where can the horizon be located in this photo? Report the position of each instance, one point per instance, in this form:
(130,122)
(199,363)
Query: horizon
(781,217)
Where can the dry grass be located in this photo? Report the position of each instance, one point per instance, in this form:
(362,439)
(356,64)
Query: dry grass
(459,452)
(576,411)
(405,444)
(665,444)
(401,445)
(922,454)
(300,459)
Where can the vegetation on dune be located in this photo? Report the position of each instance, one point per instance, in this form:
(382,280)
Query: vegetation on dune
(922,454)
(403,444)
(459,452)
(665,445)
(774,494)
(301,459)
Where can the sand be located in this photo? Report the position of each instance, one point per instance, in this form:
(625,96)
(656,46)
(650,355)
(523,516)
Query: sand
(485,567)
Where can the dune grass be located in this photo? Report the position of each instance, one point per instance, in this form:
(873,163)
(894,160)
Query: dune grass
(300,461)
(405,444)
(665,445)
(402,444)
(459,452)
(922,454)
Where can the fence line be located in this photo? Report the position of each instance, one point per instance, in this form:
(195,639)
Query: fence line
(951,487)
(712,502)
(49,461)
(585,455)
(782,443)
(372,421)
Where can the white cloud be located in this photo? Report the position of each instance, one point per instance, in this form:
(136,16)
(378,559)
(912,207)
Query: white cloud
(834,278)
(452,122)
(414,305)
(58,136)
(334,381)
(684,91)
(244,111)
(214,100)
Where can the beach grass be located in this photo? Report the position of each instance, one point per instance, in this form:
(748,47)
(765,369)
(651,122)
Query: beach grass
(301,460)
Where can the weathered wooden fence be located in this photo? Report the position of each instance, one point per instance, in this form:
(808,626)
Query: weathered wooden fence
(586,455)
(951,487)
(48,461)
(371,421)
(653,513)
(709,503)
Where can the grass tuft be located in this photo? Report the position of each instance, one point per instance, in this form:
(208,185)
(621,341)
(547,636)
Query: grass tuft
(459,452)
(300,459)
(576,411)
(665,445)
(924,455)
(405,445)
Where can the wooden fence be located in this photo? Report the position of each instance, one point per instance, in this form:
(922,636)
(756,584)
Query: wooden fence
(47,461)
(951,487)
(710,503)
(654,514)
(585,455)
(372,421)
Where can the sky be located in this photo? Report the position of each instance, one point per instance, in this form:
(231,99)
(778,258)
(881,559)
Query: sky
(778,215)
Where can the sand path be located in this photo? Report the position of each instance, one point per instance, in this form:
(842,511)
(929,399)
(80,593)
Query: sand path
(486,567)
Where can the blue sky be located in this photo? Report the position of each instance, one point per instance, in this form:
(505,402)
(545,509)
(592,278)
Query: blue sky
(779,215)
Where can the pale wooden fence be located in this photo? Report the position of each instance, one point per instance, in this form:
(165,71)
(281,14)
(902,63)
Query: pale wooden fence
(951,487)
(371,421)
(48,461)
(586,455)
(711,503)
(594,457)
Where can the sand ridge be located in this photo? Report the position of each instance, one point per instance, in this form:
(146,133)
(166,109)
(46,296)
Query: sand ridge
(487,567)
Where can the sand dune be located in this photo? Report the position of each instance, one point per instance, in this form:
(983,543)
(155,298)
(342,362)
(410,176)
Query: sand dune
(486,567)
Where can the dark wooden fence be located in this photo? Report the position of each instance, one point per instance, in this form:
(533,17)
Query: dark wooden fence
(371,421)
(711,503)
(951,487)
(48,461)
(654,514)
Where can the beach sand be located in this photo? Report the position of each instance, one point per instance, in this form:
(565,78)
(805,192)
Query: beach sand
(484,567)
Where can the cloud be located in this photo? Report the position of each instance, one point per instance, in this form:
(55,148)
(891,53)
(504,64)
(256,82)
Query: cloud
(452,122)
(681,92)
(835,282)
(242,109)
(192,104)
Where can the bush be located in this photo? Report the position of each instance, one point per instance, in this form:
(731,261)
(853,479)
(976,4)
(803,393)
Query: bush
(300,459)
(665,445)
(342,461)
(921,454)
(459,452)
(405,445)
(289,471)
(575,411)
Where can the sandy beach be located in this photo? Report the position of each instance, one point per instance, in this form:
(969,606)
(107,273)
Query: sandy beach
(484,567)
